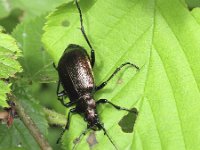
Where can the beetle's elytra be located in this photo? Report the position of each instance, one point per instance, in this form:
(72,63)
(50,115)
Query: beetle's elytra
(76,77)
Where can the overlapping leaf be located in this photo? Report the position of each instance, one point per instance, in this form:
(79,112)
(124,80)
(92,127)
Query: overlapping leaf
(162,37)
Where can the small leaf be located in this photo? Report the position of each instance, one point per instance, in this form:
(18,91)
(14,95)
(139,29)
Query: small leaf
(9,52)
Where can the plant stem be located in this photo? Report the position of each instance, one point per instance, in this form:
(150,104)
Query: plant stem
(38,136)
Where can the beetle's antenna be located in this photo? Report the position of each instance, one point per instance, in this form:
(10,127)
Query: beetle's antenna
(105,133)
(84,34)
(77,140)
(82,27)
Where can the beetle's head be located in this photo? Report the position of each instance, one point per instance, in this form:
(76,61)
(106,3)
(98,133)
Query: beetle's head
(92,119)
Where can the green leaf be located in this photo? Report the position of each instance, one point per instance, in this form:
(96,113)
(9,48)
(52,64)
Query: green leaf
(36,62)
(162,37)
(9,52)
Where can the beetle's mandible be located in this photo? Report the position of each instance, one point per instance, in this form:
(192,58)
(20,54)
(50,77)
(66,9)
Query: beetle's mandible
(76,77)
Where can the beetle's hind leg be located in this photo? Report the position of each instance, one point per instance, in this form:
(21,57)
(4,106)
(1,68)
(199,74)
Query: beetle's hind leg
(104,101)
(71,111)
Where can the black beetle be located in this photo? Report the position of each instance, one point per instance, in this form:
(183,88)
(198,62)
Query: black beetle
(76,76)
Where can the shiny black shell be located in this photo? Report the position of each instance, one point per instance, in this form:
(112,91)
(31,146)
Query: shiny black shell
(75,72)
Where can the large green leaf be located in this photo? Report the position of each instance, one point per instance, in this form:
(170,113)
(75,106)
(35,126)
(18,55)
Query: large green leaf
(9,52)
(162,37)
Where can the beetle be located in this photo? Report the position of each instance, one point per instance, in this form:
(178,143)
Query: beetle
(77,79)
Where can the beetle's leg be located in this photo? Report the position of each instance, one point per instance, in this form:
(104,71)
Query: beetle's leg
(102,85)
(103,101)
(71,111)
(84,34)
